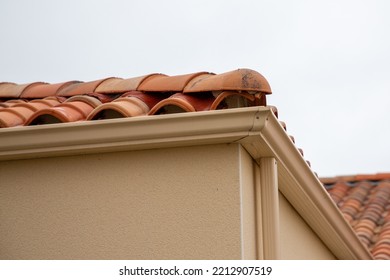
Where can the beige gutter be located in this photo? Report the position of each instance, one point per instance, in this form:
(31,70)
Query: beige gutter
(256,128)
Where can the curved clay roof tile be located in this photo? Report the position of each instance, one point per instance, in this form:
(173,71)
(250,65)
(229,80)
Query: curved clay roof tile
(239,80)
(70,111)
(184,102)
(119,108)
(119,85)
(168,83)
(21,112)
(94,102)
(81,88)
(45,90)
(11,90)
(233,99)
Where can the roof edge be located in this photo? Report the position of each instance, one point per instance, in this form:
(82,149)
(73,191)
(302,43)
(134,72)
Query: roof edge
(302,188)
(136,133)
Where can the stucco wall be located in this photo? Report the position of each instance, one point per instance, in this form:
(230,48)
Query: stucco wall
(179,203)
(297,239)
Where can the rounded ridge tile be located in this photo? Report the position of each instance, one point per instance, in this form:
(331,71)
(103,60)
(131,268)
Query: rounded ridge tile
(237,80)
(45,90)
(11,90)
(168,83)
(119,85)
(81,88)
(6,89)
(109,85)
(120,108)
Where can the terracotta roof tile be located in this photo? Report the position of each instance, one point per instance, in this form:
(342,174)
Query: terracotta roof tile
(45,90)
(20,112)
(73,109)
(81,88)
(144,95)
(238,80)
(122,107)
(118,85)
(168,83)
(11,90)
(181,102)
(364,200)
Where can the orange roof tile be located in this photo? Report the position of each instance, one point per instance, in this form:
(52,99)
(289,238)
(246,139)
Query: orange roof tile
(168,84)
(365,202)
(241,79)
(12,90)
(27,104)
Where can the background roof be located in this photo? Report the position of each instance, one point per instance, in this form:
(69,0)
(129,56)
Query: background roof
(328,62)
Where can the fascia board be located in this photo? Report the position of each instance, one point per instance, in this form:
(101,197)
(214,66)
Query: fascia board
(304,191)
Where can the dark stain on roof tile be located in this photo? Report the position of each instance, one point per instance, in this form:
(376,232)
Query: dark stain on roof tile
(238,80)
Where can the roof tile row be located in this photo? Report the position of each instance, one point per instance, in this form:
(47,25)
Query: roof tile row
(43,103)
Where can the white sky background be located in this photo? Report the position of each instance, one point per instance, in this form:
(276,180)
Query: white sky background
(328,62)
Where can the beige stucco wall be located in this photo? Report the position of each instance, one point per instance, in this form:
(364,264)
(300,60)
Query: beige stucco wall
(297,239)
(178,203)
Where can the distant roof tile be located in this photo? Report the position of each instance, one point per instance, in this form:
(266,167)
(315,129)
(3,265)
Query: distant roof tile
(364,200)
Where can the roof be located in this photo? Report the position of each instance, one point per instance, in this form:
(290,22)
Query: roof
(40,103)
(364,201)
(80,104)
(43,103)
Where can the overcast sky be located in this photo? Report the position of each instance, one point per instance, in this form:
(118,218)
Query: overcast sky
(328,62)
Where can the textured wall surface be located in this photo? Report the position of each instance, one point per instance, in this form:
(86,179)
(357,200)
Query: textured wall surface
(298,241)
(180,203)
